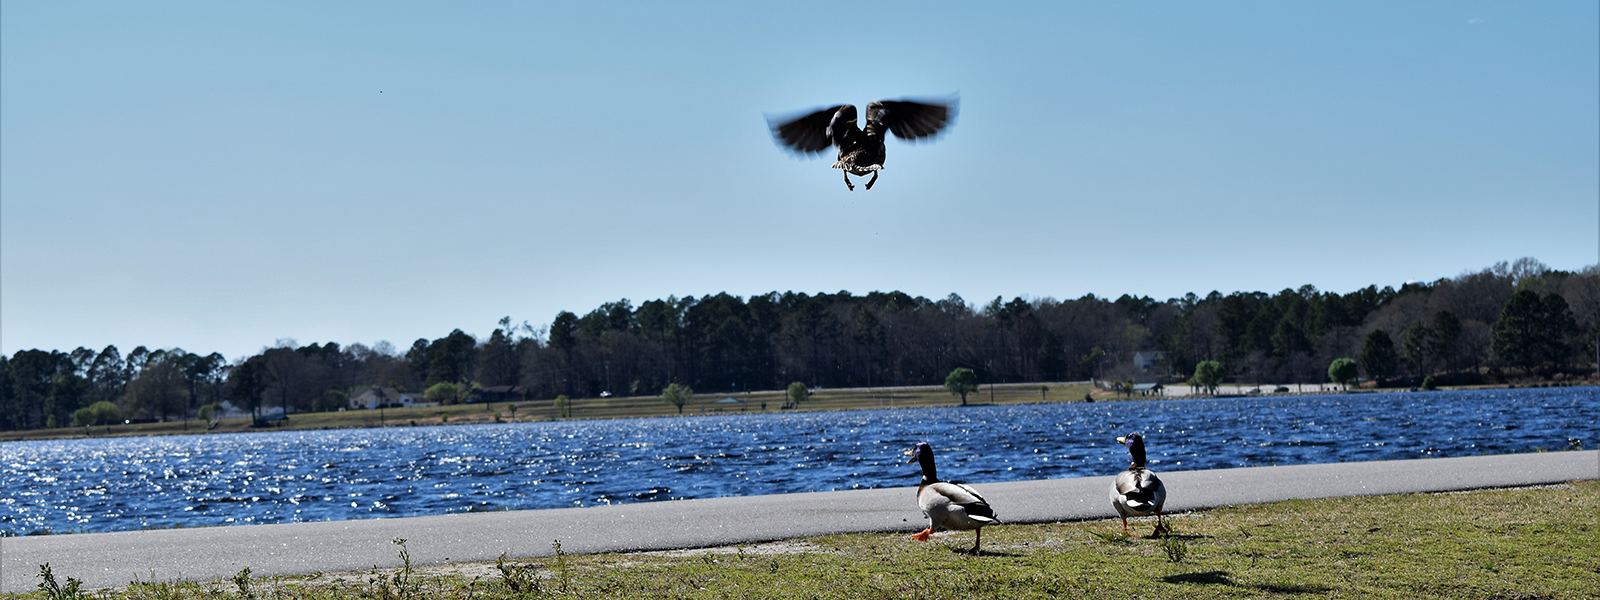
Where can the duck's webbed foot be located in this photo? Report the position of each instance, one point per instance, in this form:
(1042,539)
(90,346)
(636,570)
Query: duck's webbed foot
(847,183)
(873,180)
(922,536)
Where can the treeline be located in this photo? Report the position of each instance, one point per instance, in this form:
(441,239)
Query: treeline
(1511,320)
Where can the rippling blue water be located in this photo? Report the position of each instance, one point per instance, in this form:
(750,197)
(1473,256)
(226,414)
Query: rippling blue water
(135,483)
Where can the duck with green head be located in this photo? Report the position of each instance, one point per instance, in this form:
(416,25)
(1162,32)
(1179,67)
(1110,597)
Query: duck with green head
(949,505)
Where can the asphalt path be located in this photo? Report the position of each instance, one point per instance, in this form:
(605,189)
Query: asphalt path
(210,553)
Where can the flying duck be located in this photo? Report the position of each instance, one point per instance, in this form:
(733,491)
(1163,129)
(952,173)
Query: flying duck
(861,150)
(1137,491)
(949,505)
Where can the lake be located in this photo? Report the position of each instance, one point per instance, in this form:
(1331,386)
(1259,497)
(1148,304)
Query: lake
(97,485)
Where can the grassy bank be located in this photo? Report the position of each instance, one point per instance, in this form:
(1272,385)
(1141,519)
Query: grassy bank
(594,408)
(1495,544)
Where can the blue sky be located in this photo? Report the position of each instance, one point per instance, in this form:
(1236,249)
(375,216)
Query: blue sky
(217,176)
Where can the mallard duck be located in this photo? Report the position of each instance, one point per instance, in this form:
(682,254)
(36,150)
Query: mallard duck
(1137,491)
(948,504)
(861,151)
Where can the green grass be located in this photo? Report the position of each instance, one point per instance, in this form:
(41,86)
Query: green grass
(1492,544)
(592,408)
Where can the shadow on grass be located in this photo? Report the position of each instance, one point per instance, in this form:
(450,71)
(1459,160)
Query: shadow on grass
(1178,536)
(1206,578)
(964,552)
(1292,588)
(1223,578)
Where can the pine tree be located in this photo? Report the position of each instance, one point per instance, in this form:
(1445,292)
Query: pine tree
(1378,355)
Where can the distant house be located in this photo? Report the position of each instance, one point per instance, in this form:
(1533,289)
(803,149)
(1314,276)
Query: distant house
(1147,359)
(229,411)
(371,398)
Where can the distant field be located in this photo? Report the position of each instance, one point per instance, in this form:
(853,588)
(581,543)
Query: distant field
(600,408)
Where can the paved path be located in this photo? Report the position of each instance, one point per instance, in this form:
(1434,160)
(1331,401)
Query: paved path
(112,559)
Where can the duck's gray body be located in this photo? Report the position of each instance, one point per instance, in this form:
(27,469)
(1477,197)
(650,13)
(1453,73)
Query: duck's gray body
(949,505)
(953,506)
(1138,492)
(861,151)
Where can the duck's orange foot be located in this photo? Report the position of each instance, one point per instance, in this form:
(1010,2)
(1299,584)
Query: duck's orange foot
(922,536)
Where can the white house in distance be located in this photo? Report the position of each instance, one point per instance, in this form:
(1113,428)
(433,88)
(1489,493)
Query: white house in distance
(1147,359)
(371,398)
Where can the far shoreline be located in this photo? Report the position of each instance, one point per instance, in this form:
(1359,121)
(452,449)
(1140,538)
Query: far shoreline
(636,407)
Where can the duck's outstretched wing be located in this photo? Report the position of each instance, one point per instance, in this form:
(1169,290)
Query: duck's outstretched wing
(806,133)
(914,119)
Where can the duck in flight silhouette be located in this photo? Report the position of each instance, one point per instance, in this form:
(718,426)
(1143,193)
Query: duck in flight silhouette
(861,151)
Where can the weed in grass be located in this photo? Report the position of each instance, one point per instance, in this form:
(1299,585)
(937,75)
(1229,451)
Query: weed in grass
(1174,547)
(561,567)
(522,580)
(159,590)
(1110,537)
(54,590)
(466,590)
(404,584)
(403,578)
(242,581)
(400,584)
